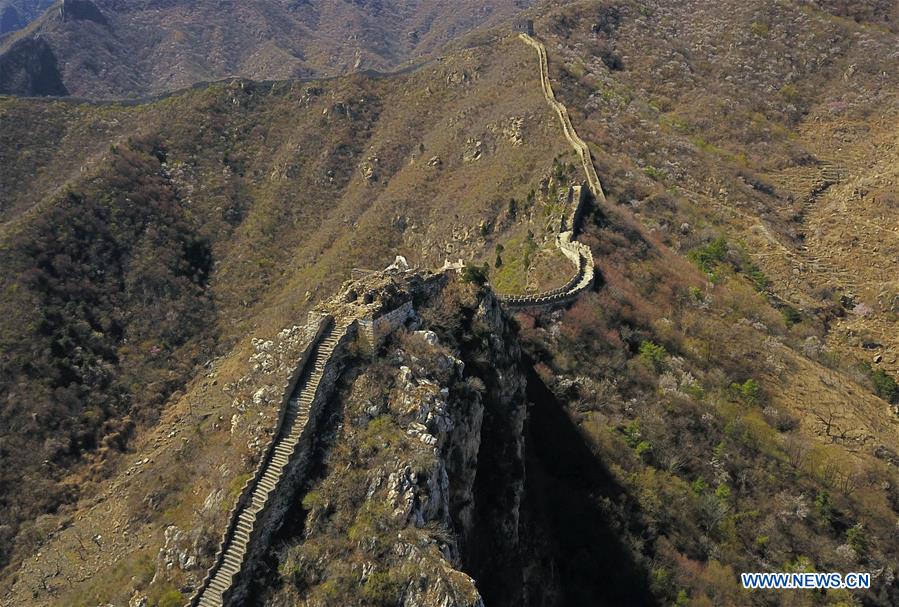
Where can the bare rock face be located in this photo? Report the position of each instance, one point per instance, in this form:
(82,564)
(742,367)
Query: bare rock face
(440,408)
(180,550)
(474,150)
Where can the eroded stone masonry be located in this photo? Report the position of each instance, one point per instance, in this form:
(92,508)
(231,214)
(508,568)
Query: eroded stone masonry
(365,313)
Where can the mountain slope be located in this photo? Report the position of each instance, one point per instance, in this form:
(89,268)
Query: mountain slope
(109,48)
(16,14)
(701,412)
(257,200)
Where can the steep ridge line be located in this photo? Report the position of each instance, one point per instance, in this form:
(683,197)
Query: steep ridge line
(300,395)
(580,147)
(579,254)
(303,388)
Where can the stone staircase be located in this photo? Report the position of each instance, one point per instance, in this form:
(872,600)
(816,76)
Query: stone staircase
(231,560)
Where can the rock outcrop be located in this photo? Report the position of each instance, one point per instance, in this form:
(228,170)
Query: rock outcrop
(403,502)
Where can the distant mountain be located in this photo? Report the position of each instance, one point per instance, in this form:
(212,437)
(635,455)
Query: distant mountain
(112,48)
(16,14)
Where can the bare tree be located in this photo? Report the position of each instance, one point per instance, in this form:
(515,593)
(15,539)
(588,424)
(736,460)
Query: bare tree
(834,426)
(847,481)
(796,451)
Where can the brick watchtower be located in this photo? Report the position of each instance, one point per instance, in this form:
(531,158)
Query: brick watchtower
(525,26)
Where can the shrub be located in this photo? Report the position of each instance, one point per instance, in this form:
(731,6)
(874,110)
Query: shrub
(756,277)
(656,174)
(699,485)
(643,449)
(749,391)
(475,274)
(760,29)
(824,506)
(172,598)
(885,386)
(381,589)
(722,492)
(653,354)
(632,434)
(790,93)
(857,538)
(709,256)
(791,315)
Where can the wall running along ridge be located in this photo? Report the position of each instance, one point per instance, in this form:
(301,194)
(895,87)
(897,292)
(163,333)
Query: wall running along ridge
(567,127)
(579,254)
(265,498)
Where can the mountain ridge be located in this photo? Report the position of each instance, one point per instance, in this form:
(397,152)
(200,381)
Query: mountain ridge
(722,399)
(119,50)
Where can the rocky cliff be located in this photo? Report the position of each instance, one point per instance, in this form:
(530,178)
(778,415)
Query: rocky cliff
(409,480)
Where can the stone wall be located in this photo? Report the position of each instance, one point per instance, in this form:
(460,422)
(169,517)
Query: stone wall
(295,474)
(285,466)
(580,196)
(375,329)
(580,255)
(245,547)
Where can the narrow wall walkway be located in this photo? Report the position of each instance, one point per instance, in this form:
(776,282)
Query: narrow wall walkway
(245,518)
(579,254)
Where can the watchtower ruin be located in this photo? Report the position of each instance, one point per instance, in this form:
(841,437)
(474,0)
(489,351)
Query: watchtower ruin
(525,26)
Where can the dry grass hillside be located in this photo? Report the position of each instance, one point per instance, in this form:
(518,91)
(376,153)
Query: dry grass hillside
(758,140)
(284,188)
(779,117)
(107,48)
(721,402)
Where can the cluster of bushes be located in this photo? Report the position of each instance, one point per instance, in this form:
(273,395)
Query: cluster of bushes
(884,385)
(711,256)
(670,392)
(110,289)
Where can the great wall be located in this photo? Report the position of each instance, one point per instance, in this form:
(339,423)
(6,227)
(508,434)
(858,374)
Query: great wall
(365,318)
(283,468)
(250,519)
(580,255)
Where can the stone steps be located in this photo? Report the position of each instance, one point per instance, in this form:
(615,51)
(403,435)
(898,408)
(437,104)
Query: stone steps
(269,473)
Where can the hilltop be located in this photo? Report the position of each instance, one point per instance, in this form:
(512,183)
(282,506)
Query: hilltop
(107,48)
